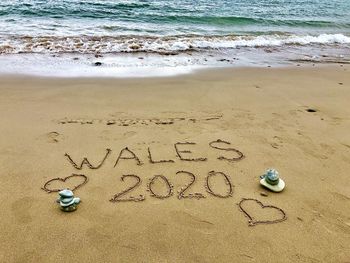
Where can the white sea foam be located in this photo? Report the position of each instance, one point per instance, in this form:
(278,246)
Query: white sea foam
(266,41)
(107,44)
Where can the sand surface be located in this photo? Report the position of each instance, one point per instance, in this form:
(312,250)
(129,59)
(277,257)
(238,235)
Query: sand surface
(262,113)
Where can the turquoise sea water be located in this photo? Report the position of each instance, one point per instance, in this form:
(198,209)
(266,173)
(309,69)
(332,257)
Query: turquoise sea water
(173,17)
(307,27)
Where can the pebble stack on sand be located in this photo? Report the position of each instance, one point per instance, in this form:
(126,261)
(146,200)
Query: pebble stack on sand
(67,200)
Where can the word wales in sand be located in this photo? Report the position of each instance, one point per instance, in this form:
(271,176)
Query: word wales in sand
(182,150)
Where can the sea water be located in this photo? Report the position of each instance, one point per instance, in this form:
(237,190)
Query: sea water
(110,37)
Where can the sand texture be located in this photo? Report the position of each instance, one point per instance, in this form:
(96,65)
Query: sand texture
(172,167)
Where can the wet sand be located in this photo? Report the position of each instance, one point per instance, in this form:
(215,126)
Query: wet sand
(217,130)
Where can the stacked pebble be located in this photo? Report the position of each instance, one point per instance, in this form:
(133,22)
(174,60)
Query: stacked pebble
(272,181)
(67,200)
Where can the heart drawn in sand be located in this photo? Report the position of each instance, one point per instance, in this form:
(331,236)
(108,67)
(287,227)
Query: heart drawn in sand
(80,178)
(251,219)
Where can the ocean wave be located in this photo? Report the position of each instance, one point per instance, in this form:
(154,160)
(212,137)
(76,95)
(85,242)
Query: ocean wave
(125,12)
(161,12)
(162,45)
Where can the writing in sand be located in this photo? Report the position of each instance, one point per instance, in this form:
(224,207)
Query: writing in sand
(182,149)
(184,153)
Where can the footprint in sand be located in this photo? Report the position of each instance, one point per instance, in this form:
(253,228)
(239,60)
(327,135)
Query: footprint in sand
(53,137)
(341,197)
(328,149)
(346,145)
(336,121)
(97,234)
(298,257)
(129,134)
(277,142)
(20,208)
(191,221)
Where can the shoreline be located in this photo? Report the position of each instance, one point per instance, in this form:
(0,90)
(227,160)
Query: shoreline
(190,72)
(121,65)
(175,72)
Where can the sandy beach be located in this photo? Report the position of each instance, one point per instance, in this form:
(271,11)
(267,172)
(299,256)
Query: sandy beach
(193,147)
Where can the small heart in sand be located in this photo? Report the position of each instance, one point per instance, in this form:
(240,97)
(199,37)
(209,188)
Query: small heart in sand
(74,181)
(277,213)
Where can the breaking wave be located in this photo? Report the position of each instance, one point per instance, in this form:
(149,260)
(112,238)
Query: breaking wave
(162,45)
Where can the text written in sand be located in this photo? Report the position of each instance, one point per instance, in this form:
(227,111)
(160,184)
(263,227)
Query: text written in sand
(160,186)
(182,149)
(184,153)
(183,193)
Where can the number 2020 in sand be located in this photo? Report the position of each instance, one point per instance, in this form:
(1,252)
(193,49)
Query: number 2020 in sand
(183,193)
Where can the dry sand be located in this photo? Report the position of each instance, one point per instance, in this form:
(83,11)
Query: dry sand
(261,112)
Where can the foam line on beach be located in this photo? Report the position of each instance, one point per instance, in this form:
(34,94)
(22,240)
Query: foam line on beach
(161,45)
